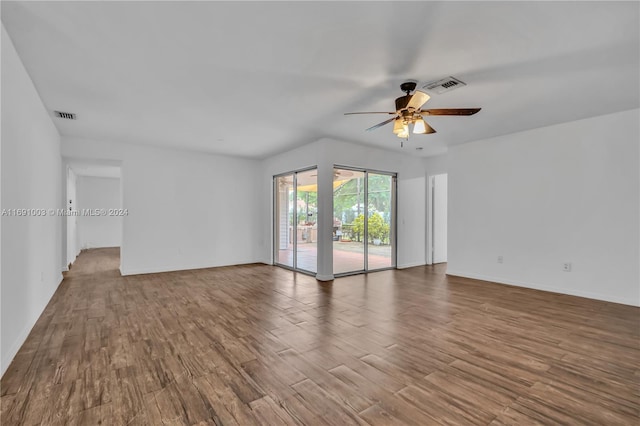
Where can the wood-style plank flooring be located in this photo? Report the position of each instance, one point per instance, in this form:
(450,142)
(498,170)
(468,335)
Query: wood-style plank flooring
(257,344)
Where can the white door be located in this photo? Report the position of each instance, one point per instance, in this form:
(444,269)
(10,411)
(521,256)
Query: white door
(439,215)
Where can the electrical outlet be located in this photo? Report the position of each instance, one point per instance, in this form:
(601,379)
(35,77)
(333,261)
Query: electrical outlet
(566,267)
(500,259)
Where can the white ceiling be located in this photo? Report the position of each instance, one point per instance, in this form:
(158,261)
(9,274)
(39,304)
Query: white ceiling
(256,78)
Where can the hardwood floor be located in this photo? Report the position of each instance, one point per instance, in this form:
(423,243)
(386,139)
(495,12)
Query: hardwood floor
(257,344)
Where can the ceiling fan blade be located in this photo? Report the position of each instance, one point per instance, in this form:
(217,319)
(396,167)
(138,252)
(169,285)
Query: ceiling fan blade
(373,112)
(450,111)
(418,99)
(380,124)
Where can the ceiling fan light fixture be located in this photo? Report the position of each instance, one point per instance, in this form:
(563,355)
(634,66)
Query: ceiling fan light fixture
(428,129)
(409,112)
(398,126)
(419,127)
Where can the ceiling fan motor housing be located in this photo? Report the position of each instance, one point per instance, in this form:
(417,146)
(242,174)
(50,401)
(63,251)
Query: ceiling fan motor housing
(402,102)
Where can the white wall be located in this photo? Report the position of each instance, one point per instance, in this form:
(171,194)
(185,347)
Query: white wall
(31,178)
(186,210)
(564,193)
(99,193)
(326,153)
(436,165)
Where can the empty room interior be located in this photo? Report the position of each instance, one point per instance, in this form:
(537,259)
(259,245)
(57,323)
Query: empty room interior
(308,213)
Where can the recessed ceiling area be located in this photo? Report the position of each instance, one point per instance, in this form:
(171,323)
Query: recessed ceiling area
(253,79)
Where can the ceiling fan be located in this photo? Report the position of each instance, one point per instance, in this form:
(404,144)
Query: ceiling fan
(408,112)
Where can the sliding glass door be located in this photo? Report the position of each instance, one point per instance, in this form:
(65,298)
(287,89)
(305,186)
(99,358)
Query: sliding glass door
(364,236)
(380,227)
(364,221)
(306,221)
(348,221)
(284,204)
(295,217)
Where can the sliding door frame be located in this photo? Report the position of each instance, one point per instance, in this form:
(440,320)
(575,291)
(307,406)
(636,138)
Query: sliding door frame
(393,229)
(294,237)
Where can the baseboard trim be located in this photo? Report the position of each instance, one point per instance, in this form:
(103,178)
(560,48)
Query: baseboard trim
(410,265)
(157,270)
(17,344)
(551,289)
(22,337)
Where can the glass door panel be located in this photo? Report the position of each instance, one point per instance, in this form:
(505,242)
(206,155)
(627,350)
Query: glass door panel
(363,220)
(380,226)
(306,214)
(349,212)
(284,220)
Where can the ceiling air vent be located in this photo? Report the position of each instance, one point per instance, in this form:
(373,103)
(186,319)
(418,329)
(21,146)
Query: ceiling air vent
(443,85)
(67,115)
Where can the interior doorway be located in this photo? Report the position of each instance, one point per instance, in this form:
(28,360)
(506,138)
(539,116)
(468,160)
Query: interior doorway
(437,219)
(94,212)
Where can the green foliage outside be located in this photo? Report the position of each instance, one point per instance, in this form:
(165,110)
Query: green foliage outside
(307,214)
(377,227)
(348,207)
(358,226)
(351,194)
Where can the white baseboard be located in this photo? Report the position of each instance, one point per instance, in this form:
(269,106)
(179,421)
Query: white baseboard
(552,289)
(22,337)
(15,346)
(410,265)
(159,269)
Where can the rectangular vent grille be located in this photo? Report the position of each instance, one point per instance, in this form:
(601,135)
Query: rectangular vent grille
(67,115)
(443,85)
